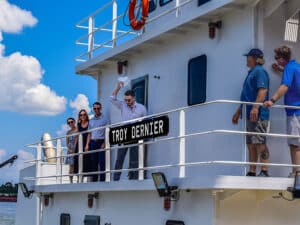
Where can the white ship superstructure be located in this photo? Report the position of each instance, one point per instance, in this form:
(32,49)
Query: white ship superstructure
(203,153)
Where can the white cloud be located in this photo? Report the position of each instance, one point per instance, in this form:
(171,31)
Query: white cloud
(80,102)
(23,156)
(2,154)
(63,130)
(13,19)
(21,75)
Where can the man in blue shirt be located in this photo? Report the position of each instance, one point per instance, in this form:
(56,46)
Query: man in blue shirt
(290,89)
(255,89)
(95,141)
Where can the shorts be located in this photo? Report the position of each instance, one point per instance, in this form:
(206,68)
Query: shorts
(70,160)
(293,128)
(261,126)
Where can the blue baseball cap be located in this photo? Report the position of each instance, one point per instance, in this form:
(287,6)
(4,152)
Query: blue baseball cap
(255,52)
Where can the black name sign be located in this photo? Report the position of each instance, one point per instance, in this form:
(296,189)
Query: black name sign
(149,128)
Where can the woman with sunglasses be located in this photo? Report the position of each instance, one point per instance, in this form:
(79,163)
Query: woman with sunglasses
(71,145)
(82,126)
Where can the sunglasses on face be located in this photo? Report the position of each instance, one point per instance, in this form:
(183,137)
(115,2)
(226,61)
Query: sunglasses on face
(82,114)
(127,100)
(70,122)
(97,108)
(276,57)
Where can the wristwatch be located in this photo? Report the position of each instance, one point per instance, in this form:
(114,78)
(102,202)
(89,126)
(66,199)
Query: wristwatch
(273,100)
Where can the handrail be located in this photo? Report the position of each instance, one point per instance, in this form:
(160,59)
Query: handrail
(93,14)
(176,138)
(182,137)
(130,31)
(201,163)
(168,112)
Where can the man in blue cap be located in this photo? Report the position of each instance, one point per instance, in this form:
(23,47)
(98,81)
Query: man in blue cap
(255,89)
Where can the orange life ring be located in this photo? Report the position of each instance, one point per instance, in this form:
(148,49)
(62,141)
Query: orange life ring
(134,23)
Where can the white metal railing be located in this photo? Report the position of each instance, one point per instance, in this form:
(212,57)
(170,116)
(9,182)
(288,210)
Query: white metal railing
(182,164)
(117,31)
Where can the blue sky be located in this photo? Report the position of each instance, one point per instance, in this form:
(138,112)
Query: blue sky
(47,39)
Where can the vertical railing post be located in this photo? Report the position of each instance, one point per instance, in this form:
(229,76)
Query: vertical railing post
(114,23)
(91,37)
(39,210)
(141,159)
(80,157)
(38,171)
(58,162)
(177,8)
(182,143)
(107,156)
(244,119)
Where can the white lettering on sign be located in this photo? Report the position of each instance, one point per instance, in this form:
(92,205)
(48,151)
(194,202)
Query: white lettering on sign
(119,135)
(147,129)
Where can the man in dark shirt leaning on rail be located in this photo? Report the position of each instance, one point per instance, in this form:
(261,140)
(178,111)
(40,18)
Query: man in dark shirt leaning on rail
(130,110)
(96,141)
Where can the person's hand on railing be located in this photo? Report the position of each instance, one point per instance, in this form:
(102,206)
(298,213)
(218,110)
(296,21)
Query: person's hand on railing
(86,149)
(103,146)
(254,114)
(236,116)
(268,103)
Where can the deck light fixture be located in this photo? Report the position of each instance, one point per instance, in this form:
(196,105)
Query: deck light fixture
(169,193)
(47,198)
(296,189)
(27,193)
(212,27)
(121,65)
(91,198)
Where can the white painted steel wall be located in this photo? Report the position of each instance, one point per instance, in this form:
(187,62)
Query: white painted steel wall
(26,208)
(226,72)
(132,208)
(257,208)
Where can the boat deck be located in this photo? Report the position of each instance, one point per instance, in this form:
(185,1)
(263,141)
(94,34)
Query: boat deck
(192,183)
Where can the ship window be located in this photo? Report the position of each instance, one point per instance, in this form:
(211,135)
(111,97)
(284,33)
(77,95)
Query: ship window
(174,222)
(152,5)
(65,219)
(91,220)
(202,2)
(197,70)
(140,88)
(164,2)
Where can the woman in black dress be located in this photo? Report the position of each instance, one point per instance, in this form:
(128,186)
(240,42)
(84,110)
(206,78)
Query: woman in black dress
(83,124)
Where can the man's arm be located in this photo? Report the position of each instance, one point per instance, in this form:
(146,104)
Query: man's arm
(113,97)
(117,89)
(281,91)
(88,139)
(261,96)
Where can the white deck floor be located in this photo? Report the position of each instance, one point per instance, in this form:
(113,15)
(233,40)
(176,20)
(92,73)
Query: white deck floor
(199,183)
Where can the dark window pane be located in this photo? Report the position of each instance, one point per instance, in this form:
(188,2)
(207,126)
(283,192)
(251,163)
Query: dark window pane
(174,222)
(197,70)
(140,88)
(65,219)
(152,5)
(201,2)
(91,220)
(164,2)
